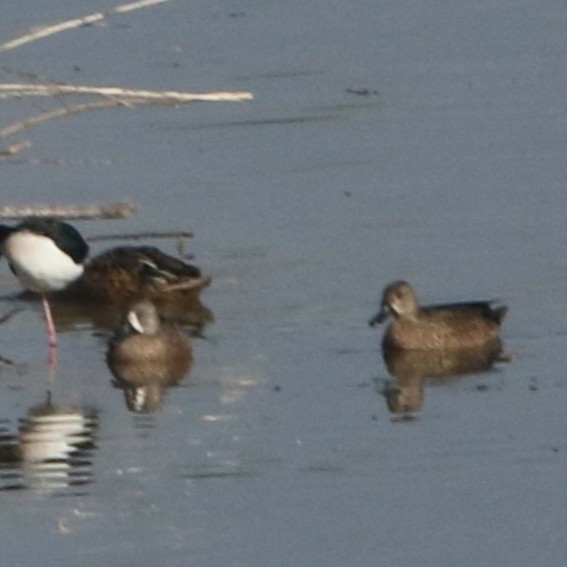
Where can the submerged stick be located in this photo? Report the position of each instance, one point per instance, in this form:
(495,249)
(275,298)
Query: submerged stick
(140,235)
(3,319)
(7,361)
(89,19)
(120,97)
(52,114)
(122,94)
(9,315)
(14,149)
(119,210)
(180,237)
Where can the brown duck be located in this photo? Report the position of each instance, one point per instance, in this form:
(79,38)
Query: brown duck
(146,356)
(449,326)
(128,273)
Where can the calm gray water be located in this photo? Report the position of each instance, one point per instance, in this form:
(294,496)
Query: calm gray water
(279,447)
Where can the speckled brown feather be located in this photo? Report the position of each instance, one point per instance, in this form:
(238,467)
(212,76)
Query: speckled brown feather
(127,273)
(448,326)
(442,328)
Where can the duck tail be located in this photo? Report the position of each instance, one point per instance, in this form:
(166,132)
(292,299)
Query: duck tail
(499,312)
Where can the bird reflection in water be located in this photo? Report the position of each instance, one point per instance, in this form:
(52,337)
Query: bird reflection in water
(72,312)
(411,368)
(146,356)
(53,450)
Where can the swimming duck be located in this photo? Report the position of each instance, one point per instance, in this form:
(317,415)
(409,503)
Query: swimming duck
(147,355)
(449,326)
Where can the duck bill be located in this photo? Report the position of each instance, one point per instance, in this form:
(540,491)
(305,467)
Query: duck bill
(380,317)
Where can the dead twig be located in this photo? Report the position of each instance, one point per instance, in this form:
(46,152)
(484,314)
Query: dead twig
(180,247)
(118,210)
(58,113)
(116,97)
(142,235)
(120,94)
(3,319)
(180,237)
(14,149)
(9,315)
(7,361)
(89,19)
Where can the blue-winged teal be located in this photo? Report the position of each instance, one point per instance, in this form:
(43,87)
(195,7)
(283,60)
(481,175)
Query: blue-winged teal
(46,255)
(129,273)
(147,355)
(450,326)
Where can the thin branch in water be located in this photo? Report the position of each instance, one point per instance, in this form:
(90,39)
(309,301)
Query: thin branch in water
(141,235)
(180,236)
(9,315)
(166,97)
(3,319)
(14,149)
(89,19)
(52,114)
(134,96)
(7,361)
(180,247)
(118,210)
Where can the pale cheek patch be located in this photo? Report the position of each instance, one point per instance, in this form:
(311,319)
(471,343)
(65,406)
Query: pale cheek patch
(135,322)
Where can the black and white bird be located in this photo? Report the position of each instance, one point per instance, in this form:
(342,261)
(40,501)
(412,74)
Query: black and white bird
(46,255)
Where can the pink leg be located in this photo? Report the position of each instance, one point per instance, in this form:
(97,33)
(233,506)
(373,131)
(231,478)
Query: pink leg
(51,333)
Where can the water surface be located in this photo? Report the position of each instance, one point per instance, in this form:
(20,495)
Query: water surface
(447,169)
